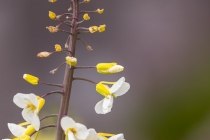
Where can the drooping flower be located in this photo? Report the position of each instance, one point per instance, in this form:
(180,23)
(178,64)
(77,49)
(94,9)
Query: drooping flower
(93,29)
(100,11)
(31,79)
(72,61)
(109,68)
(52,29)
(58,48)
(52,15)
(118,89)
(86,16)
(31,105)
(73,130)
(102,28)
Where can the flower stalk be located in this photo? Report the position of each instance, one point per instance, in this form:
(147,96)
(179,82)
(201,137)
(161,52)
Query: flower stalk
(69,71)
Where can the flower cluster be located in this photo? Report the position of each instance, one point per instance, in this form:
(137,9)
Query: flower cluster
(32,104)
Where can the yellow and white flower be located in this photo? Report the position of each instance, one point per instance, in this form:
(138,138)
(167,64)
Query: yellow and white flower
(93,135)
(118,89)
(117,137)
(109,68)
(73,130)
(31,105)
(31,79)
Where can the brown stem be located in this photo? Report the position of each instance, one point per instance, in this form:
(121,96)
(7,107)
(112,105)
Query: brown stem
(68,77)
(83,79)
(48,116)
(50,84)
(53,92)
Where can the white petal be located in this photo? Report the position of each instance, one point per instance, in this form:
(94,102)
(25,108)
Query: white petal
(98,107)
(82,131)
(92,134)
(67,122)
(71,136)
(123,89)
(20,100)
(6,139)
(117,137)
(107,104)
(32,118)
(16,130)
(33,99)
(117,85)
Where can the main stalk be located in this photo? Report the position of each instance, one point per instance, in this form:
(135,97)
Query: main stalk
(69,72)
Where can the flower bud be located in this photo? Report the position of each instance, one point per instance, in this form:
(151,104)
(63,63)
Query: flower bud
(72,61)
(86,17)
(44,54)
(58,48)
(52,1)
(109,68)
(100,11)
(31,79)
(102,89)
(93,29)
(102,28)
(52,15)
(41,103)
(52,29)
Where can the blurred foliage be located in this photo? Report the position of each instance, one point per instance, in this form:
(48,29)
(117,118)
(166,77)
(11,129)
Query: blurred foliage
(181,108)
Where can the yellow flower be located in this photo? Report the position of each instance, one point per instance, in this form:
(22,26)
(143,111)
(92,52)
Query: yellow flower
(24,137)
(31,79)
(102,28)
(87,1)
(72,61)
(44,54)
(93,29)
(58,48)
(52,1)
(52,29)
(86,17)
(100,11)
(109,68)
(52,15)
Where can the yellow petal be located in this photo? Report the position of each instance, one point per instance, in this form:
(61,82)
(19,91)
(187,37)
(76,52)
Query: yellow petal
(31,79)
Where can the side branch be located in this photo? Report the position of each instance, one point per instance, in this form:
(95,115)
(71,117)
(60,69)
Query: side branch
(83,79)
(49,116)
(53,92)
(46,126)
(84,67)
(50,84)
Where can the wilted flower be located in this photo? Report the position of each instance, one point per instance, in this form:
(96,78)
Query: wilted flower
(93,29)
(100,11)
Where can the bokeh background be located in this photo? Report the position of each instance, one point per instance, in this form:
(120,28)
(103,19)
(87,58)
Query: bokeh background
(163,45)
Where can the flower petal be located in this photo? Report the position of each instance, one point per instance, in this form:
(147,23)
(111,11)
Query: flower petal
(92,134)
(71,136)
(33,99)
(123,89)
(98,107)
(107,104)
(16,130)
(117,85)
(20,100)
(32,118)
(82,131)
(67,122)
(117,137)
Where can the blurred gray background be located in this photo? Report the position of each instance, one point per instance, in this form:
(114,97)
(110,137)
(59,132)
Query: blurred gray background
(163,45)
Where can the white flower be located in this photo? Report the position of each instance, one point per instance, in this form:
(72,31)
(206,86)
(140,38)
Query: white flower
(31,105)
(117,137)
(73,130)
(93,135)
(118,89)
(20,131)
